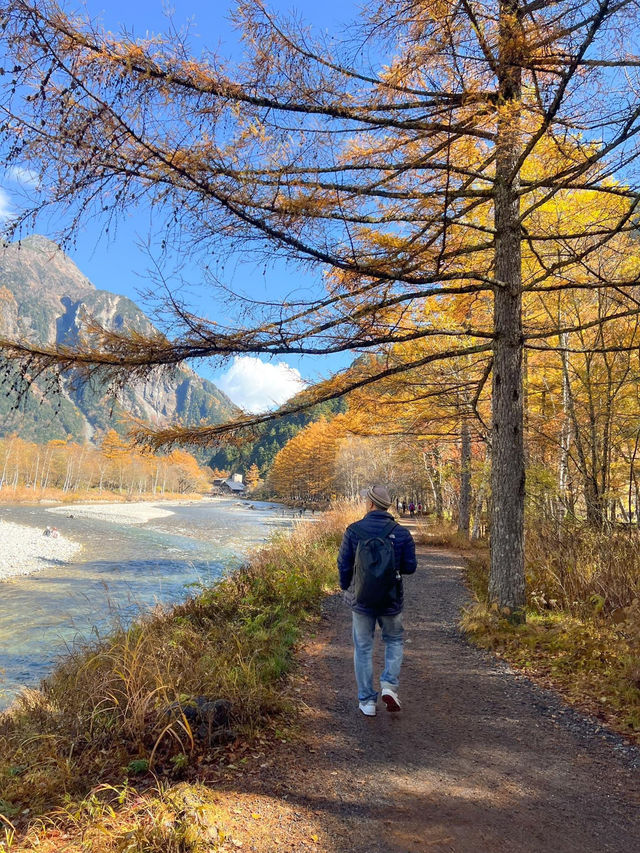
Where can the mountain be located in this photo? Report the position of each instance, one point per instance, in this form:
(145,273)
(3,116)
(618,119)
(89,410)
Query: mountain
(43,298)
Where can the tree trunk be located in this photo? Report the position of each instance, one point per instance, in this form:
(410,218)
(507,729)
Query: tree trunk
(464,506)
(34,481)
(626,516)
(477,510)
(437,483)
(594,503)
(565,435)
(506,581)
(432,468)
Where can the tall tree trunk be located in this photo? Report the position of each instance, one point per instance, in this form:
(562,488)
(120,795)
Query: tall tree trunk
(594,502)
(506,580)
(464,506)
(44,482)
(34,482)
(437,483)
(525,407)
(432,467)
(632,463)
(480,497)
(7,454)
(565,435)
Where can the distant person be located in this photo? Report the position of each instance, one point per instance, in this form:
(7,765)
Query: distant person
(375,552)
(419,509)
(404,507)
(412,509)
(46,531)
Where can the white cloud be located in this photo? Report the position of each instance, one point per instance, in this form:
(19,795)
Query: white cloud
(257,386)
(6,208)
(27,177)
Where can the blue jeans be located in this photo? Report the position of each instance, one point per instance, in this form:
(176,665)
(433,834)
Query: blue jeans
(364,627)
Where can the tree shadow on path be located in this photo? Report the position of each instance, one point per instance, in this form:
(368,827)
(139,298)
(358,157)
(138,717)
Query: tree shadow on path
(478,760)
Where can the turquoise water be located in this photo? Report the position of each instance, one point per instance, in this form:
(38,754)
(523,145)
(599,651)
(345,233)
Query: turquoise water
(121,570)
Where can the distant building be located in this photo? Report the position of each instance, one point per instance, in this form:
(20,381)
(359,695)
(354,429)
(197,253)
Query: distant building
(232,485)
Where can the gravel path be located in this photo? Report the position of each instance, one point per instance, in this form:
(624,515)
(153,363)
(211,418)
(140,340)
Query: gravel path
(478,760)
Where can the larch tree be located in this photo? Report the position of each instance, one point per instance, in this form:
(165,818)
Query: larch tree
(406,173)
(252,478)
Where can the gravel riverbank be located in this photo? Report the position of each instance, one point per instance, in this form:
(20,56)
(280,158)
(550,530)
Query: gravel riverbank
(24,549)
(119,513)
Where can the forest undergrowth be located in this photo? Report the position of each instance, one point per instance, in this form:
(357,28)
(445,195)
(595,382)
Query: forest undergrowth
(582,634)
(136,712)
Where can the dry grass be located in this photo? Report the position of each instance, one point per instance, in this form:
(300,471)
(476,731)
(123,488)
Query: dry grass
(102,715)
(443,534)
(582,633)
(581,570)
(574,569)
(24,495)
(178,818)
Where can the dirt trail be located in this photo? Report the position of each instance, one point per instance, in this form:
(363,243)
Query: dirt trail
(478,760)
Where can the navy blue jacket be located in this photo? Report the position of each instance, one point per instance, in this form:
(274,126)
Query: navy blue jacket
(405,553)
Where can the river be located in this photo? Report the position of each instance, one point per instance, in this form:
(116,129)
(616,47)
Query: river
(122,569)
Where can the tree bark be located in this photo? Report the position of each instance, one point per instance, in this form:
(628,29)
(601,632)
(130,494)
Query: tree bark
(432,468)
(480,497)
(594,502)
(464,507)
(506,581)
(565,436)
(437,481)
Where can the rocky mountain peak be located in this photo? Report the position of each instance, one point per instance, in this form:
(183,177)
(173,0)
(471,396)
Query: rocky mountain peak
(44,298)
(37,242)
(37,264)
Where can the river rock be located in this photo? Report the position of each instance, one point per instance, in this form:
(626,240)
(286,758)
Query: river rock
(209,719)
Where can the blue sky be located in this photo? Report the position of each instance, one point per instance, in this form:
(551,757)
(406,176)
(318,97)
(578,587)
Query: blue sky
(120,262)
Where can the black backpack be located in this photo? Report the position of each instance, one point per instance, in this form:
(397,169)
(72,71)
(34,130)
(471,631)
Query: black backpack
(375,574)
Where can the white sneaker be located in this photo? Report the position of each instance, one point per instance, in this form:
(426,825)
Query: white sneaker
(390,699)
(368,708)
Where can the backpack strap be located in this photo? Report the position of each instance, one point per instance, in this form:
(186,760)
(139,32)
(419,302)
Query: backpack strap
(360,534)
(388,529)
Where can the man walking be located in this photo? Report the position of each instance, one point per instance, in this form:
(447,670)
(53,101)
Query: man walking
(374,553)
